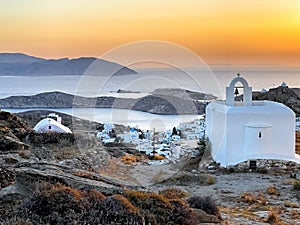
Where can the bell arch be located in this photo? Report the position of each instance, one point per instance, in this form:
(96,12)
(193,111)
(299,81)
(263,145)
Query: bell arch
(247,91)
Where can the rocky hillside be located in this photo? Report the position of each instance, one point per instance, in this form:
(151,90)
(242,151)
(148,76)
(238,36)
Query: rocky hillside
(155,103)
(288,96)
(53,182)
(184,94)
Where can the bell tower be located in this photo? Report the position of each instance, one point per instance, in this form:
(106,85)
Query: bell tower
(230,91)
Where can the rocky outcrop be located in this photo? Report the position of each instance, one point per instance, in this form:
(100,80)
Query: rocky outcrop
(184,94)
(285,95)
(12,129)
(30,173)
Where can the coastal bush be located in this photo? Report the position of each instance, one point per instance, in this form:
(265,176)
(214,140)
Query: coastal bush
(211,180)
(157,209)
(202,145)
(52,204)
(91,197)
(51,138)
(61,204)
(296,185)
(272,191)
(206,204)
(158,157)
(115,209)
(250,198)
(129,159)
(273,218)
(173,193)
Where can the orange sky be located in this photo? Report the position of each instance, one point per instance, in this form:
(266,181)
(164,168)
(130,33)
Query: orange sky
(219,31)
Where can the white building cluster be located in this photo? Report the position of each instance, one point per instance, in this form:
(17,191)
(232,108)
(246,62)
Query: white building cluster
(169,143)
(104,135)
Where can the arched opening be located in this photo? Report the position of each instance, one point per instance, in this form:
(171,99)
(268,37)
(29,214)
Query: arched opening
(238,86)
(239,93)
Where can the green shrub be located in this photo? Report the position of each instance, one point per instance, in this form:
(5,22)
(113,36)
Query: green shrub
(202,145)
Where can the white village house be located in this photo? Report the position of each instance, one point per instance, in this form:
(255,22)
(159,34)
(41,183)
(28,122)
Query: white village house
(51,124)
(249,130)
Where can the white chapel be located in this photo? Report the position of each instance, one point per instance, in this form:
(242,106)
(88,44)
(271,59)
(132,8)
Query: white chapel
(249,130)
(51,124)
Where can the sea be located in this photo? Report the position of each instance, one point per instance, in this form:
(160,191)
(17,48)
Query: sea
(206,80)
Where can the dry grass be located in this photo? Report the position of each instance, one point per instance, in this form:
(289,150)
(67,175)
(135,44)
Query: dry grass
(273,218)
(173,193)
(129,206)
(158,157)
(249,213)
(271,190)
(62,188)
(290,204)
(129,159)
(211,180)
(83,174)
(250,198)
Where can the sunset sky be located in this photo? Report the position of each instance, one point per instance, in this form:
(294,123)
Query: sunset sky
(219,31)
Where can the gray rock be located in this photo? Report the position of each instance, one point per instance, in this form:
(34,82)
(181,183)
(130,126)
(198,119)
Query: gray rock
(203,217)
(26,177)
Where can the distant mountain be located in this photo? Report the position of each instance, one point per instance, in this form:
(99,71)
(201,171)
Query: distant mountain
(18,64)
(18,58)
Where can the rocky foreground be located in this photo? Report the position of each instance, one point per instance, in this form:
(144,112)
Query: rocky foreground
(73,179)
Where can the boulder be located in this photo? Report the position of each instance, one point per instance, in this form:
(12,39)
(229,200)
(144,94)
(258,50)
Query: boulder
(12,129)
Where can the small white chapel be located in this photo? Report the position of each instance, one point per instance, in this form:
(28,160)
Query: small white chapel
(248,130)
(51,124)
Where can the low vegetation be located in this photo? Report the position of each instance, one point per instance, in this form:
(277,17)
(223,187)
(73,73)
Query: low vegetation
(296,185)
(129,159)
(251,198)
(272,191)
(173,193)
(61,204)
(273,218)
(202,146)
